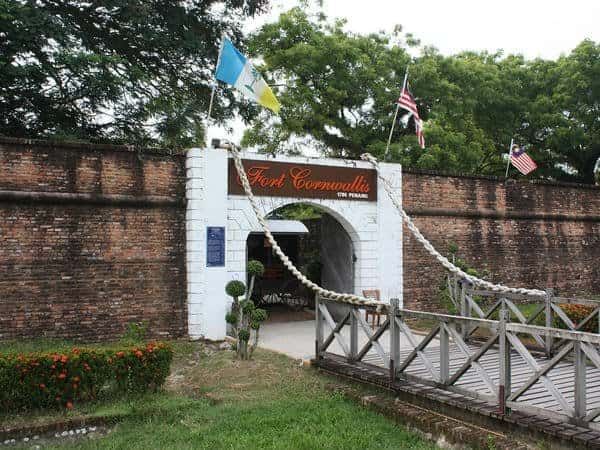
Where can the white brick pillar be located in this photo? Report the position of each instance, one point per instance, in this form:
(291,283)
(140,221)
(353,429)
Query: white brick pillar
(206,194)
(390,235)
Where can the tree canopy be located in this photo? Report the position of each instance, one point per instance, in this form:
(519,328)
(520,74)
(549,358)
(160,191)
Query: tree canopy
(137,71)
(338,90)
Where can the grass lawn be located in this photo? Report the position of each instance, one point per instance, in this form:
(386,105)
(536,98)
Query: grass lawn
(213,401)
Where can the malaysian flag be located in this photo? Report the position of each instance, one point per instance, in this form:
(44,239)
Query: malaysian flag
(521,160)
(407,101)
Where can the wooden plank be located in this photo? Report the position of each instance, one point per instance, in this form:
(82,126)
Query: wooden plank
(517,345)
(462,346)
(417,347)
(472,359)
(334,328)
(373,337)
(523,320)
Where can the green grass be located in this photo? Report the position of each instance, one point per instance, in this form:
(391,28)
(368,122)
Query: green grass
(213,401)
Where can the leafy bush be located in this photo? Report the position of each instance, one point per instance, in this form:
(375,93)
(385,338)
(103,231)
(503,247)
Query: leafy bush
(577,313)
(135,332)
(46,380)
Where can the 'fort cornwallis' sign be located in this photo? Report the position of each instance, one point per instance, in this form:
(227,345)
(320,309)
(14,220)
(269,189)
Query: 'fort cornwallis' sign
(279,179)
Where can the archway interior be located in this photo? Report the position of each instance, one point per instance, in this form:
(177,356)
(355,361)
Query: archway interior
(317,244)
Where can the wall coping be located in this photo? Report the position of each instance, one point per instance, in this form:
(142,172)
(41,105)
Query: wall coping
(158,151)
(436,173)
(88,146)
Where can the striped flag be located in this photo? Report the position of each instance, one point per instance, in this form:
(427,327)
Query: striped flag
(521,160)
(407,101)
(233,68)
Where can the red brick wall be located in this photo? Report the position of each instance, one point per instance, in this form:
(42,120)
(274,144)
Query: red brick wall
(523,233)
(100,244)
(93,237)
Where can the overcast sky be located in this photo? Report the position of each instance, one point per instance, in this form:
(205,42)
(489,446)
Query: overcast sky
(534,28)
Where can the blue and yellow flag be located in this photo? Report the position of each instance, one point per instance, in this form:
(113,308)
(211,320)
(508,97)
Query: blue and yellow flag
(234,69)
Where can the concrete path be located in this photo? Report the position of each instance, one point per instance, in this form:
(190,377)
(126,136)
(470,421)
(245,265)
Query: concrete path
(297,339)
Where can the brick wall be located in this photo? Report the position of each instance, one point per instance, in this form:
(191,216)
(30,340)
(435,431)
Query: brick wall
(523,233)
(91,237)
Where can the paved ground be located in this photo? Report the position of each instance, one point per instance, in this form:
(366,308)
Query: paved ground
(297,339)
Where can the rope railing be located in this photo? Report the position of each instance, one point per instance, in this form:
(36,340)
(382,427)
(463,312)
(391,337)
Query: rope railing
(431,249)
(351,298)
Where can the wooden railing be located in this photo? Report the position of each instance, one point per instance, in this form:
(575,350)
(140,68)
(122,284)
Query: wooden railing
(547,311)
(443,356)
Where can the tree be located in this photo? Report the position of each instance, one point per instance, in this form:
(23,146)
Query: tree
(563,118)
(245,318)
(136,71)
(338,92)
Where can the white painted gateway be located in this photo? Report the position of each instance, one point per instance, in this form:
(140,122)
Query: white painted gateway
(219,220)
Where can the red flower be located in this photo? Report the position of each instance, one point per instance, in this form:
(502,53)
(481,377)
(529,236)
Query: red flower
(138,353)
(64,359)
(62,375)
(69,405)
(120,354)
(55,358)
(42,386)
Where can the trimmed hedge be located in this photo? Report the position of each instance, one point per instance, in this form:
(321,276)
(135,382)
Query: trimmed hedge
(578,313)
(46,380)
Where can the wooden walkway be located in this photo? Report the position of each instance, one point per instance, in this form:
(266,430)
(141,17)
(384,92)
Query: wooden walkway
(513,369)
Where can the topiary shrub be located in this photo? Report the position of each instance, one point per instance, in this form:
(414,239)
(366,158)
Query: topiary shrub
(245,318)
(50,380)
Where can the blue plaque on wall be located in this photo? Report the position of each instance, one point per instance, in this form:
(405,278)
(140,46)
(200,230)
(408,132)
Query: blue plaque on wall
(215,246)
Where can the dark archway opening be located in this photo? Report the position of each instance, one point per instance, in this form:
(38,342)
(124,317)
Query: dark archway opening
(317,244)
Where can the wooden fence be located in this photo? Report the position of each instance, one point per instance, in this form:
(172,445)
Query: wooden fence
(498,367)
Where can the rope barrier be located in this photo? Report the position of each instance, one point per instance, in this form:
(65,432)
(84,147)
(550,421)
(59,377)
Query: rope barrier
(431,249)
(351,298)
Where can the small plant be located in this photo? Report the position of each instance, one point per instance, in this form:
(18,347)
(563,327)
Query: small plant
(135,332)
(245,318)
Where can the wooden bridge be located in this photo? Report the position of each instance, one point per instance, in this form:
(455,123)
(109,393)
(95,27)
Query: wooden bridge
(496,361)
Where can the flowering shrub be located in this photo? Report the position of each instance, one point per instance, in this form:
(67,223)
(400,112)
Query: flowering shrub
(44,380)
(577,313)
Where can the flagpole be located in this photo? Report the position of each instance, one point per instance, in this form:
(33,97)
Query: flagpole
(387,148)
(509,154)
(214,88)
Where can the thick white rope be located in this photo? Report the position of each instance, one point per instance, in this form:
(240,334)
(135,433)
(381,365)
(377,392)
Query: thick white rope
(339,297)
(431,249)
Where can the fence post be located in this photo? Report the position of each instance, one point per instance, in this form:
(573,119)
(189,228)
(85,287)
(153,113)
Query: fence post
(580,382)
(549,321)
(444,354)
(504,382)
(463,307)
(318,328)
(394,338)
(353,333)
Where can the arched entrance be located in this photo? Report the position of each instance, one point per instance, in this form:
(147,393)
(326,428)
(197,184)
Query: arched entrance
(317,243)
(219,220)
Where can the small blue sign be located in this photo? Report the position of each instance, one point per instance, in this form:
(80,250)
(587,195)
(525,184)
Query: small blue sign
(215,246)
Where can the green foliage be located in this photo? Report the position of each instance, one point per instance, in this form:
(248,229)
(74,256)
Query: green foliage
(259,315)
(340,89)
(255,268)
(52,379)
(244,335)
(135,332)
(235,288)
(247,306)
(231,318)
(131,70)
